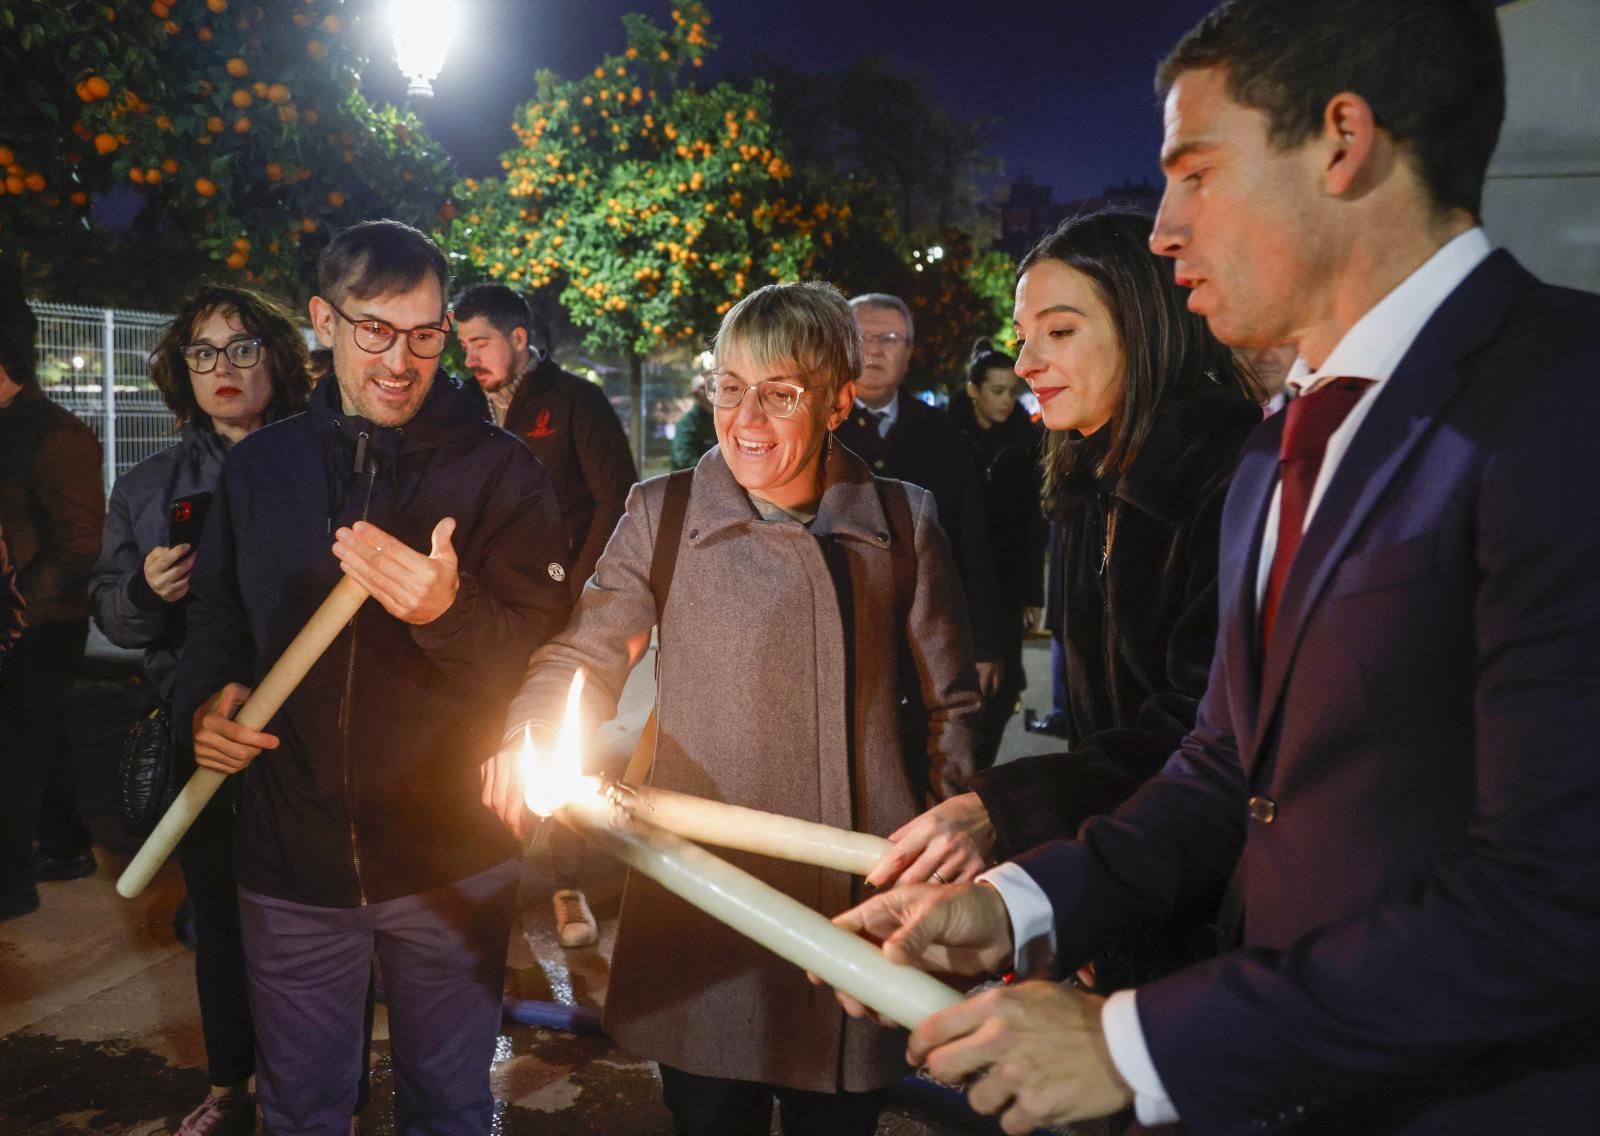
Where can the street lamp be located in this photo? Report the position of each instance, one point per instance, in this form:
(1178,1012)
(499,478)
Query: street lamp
(422,32)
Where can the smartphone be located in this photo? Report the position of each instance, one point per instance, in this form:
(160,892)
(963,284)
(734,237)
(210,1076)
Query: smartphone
(185,517)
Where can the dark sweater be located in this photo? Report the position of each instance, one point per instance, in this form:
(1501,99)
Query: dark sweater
(570,426)
(374,791)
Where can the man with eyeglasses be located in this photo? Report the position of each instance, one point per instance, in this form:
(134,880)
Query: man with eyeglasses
(52,504)
(903,437)
(360,829)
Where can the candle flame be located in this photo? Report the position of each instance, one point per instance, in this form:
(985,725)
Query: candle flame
(552,776)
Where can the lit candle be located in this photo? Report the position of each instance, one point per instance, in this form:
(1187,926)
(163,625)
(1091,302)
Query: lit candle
(785,926)
(268,696)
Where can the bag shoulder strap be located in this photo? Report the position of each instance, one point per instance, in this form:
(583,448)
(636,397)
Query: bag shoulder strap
(669,534)
(902,539)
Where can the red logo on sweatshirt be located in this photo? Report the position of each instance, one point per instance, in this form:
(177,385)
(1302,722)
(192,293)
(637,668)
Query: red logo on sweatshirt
(541,426)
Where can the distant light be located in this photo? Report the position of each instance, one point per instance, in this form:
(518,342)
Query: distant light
(936,252)
(422,33)
(918,267)
(78,362)
(706,361)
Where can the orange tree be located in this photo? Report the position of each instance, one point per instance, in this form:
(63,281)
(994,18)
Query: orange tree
(647,205)
(238,124)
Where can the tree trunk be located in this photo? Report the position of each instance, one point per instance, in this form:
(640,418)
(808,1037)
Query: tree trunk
(636,407)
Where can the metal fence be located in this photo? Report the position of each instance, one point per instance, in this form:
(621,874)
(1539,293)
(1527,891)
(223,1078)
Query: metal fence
(96,363)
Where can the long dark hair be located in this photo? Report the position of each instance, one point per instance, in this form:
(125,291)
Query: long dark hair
(282,346)
(1169,353)
(987,357)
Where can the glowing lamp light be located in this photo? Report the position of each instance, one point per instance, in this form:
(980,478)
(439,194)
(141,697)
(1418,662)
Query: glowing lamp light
(422,33)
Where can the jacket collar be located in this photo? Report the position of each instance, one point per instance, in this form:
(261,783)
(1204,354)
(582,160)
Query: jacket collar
(850,504)
(446,405)
(1161,480)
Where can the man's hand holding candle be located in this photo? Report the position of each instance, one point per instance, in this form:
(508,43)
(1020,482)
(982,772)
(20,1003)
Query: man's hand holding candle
(222,744)
(503,779)
(411,587)
(950,843)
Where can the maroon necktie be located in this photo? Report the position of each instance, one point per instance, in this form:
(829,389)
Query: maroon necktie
(1308,423)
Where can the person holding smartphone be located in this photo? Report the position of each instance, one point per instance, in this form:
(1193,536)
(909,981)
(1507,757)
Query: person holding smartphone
(230,362)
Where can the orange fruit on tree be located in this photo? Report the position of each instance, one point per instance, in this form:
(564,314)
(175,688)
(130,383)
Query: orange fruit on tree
(242,243)
(203,34)
(242,125)
(214,124)
(288,114)
(237,67)
(332,24)
(14,184)
(205,187)
(259,88)
(310,117)
(136,175)
(274,170)
(159,10)
(278,93)
(170,165)
(34,182)
(172,28)
(307,225)
(217,6)
(336,199)
(236,260)
(317,50)
(152,176)
(105,143)
(163,122)
(7,156)
(241,99)
(79,198)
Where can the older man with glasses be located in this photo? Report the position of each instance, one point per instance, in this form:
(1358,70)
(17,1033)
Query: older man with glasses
(360,828)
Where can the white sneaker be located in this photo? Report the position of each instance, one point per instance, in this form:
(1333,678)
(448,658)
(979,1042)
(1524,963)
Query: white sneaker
(575,923)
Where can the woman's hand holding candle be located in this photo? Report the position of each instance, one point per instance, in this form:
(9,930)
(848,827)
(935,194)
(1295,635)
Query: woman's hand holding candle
(950,843)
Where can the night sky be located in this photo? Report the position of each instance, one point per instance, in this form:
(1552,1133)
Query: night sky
(1064,86)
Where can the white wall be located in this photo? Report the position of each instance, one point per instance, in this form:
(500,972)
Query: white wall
(1542,200)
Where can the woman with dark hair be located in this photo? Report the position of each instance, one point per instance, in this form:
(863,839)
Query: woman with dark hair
(1147,414)
(1005,443)
(230,362)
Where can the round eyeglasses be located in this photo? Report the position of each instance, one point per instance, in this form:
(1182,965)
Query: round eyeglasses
(778,398)
(201,358)
(375,337)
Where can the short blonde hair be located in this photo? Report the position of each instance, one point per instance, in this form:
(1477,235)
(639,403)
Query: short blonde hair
(808,325)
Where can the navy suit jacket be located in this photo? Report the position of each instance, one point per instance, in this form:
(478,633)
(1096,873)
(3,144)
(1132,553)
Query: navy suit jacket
(1406,796)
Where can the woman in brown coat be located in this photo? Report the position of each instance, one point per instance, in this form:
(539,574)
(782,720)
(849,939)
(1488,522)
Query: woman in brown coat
(807,598)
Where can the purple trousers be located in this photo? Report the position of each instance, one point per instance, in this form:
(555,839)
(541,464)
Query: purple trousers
(443,957)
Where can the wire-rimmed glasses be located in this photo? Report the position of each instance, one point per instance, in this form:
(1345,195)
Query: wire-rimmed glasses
(778,398)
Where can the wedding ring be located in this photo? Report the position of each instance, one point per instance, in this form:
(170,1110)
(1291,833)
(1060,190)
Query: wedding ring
(938,879)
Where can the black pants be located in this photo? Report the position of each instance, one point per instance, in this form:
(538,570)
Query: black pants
(219,974)
(715,1106)
(40,798)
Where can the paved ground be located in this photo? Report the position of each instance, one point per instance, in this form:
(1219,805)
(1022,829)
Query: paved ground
(98,1027)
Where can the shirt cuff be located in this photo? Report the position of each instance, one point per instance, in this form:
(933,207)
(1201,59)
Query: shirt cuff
(1119,1018)
(1033,920)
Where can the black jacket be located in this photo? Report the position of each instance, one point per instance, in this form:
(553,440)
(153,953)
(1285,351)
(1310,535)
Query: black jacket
(120,599)
(1007,456)
(1140,624)
(52,504)
(374,791)
(925,448)
(570,426)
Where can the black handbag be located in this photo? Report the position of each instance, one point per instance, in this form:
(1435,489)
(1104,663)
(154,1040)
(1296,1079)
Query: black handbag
(146,781)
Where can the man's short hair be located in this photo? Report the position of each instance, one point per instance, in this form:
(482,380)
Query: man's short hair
(808,326)
(1433,72)
(888,303)
(504,309)
(379,258)
(18,330)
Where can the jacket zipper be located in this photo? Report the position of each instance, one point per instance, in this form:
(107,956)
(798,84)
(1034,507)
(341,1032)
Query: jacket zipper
(1108,524)
(349,692)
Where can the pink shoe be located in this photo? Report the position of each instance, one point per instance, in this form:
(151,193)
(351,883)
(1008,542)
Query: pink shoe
(232,1115)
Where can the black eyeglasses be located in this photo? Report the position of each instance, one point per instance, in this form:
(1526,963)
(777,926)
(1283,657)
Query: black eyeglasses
(778,398)
(202,357)
(375,337)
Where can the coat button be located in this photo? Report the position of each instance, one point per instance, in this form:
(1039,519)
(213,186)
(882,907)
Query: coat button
(883,538)
(694,534)
(1263,809)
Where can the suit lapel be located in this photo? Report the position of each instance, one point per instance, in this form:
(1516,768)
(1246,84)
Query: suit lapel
(1242,526)
(1408,406)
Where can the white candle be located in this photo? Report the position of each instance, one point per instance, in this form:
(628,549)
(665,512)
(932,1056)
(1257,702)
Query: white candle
(767,834)
(783,925)
(265,700)
(794,932)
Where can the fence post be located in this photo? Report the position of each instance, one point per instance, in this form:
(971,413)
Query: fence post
(108,435)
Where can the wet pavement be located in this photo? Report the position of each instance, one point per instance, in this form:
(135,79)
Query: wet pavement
(99,1032)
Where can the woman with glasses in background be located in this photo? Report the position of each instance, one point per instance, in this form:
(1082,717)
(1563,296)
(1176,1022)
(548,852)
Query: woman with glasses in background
(806,598)
(229,363)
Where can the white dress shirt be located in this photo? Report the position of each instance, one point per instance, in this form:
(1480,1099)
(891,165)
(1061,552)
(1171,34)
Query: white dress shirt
(890,414)
(1371,349)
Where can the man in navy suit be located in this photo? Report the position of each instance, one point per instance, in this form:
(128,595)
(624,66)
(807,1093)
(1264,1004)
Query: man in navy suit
(1394,780)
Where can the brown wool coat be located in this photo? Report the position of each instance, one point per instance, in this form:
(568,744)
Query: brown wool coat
(754,686)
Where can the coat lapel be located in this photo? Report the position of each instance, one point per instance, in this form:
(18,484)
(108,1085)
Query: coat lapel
(1242,525)
(1408,406)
